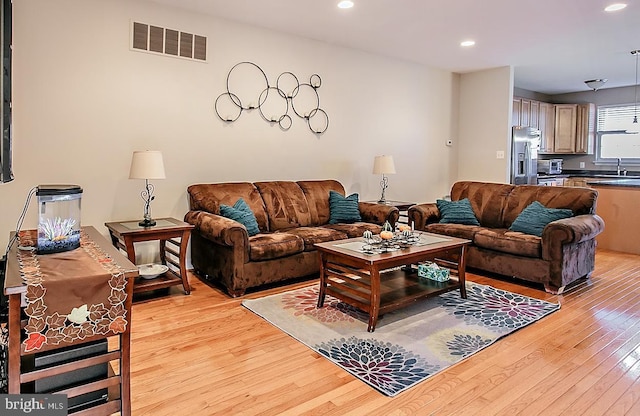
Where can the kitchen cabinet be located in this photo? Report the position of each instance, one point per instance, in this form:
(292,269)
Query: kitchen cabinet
(577,181)
(534,114)
(546,124)
(585,128)
(515,111)
(565,128)
(574,128)
(525,112)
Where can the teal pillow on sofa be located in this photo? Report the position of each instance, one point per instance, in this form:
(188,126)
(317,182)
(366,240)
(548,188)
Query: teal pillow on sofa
(456,212)
(536,216)
(241,212)
(343,209)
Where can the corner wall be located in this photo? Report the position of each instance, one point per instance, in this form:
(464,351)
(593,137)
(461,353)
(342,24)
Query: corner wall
(485,125)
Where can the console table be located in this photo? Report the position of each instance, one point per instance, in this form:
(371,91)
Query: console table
(167,230)
(68,300)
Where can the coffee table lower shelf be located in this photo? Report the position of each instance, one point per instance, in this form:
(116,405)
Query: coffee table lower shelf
(399,288)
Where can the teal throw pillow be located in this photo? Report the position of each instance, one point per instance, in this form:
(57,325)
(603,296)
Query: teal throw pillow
(456,212)
(536,216)
(343,209)
(241,212)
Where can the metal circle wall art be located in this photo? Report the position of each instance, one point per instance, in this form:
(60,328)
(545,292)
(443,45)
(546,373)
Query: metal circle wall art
(248,88)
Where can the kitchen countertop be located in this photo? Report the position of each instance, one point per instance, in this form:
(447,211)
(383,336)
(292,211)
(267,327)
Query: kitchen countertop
(629,183)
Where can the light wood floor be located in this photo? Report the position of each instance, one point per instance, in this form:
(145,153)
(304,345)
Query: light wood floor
(204,354)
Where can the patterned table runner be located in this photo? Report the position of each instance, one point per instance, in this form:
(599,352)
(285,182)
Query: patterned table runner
(71,295)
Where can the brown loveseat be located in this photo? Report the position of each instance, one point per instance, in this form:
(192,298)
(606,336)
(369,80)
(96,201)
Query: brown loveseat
(291,217)
(564,253)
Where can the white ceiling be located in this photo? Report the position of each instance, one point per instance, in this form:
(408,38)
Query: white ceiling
(554,45)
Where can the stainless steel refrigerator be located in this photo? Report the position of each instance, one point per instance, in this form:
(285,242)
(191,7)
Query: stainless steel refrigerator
(524,155)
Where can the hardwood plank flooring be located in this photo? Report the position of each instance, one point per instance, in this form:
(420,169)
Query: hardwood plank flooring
(204,354)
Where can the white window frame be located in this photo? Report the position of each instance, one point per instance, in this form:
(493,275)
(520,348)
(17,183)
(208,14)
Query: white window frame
(626,161)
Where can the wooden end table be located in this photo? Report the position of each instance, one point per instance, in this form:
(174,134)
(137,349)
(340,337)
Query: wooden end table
(167,230)
(402,206)
(363,280)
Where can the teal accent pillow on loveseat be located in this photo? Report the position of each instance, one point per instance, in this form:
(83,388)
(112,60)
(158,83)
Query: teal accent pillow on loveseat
(536,216)
(456,212)
(241,212)
(343,209)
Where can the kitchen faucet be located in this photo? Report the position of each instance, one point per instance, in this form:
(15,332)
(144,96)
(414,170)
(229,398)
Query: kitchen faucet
(624,171)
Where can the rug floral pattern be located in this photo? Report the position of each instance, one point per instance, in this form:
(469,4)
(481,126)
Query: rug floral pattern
(408,345)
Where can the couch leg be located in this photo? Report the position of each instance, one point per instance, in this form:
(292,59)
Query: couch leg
(236,293)
(554,290)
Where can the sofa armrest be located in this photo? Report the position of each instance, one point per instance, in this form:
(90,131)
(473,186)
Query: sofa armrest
(219,229)
(378,213)
(572,230)
(423,214)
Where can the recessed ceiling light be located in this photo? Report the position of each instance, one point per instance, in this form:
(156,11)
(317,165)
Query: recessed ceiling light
(346,4)
(467,43)
(615,7)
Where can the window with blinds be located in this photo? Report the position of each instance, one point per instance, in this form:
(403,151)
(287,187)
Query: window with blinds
(618,135)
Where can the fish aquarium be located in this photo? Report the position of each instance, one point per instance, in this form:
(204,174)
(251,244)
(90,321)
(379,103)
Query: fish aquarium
(59,218)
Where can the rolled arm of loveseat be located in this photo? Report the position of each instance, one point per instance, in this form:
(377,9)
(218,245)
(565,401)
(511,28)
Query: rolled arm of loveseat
(423,214)
(571,230)
(219,229)
(378,213)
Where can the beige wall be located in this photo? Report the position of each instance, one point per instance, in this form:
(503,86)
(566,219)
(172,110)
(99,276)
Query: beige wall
(485,120)
(83,101)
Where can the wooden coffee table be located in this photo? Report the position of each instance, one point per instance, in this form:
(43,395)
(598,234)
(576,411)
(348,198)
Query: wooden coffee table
(364,281)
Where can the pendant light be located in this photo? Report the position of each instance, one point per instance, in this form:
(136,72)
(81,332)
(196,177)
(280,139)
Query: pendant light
(635,106)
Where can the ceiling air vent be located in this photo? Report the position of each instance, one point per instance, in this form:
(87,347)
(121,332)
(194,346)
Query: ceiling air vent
(150,38)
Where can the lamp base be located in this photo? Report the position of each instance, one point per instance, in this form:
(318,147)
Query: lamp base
(147,222)
(382,201)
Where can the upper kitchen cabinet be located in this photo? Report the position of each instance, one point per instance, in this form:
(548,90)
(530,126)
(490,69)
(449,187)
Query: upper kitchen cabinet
(574,128)
(586,128)
(534,114)
(565,128)
(547,125)
(526,112)
(516,110)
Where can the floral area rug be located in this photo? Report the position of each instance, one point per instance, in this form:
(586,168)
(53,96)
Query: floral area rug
(409,345)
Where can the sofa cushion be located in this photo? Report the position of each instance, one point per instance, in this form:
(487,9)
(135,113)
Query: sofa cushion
(456,212)
(536,216)
(500,239)
(355,229)
(454,230)
(343,209)
(268,246)
(285,204)
(241,212)
(316,193)
(313,235)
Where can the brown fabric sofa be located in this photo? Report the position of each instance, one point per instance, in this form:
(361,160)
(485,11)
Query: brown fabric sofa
(291,216)
(564,253)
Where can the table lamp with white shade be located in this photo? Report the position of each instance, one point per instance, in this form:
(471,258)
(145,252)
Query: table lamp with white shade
(147,164)
(383,165)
